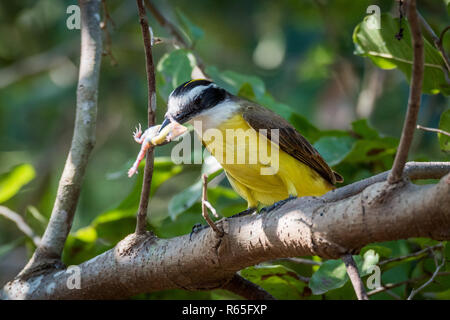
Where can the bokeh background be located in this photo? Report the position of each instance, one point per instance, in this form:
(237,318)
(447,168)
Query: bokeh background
(301,52)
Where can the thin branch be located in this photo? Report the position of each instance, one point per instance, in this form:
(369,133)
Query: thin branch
(393,295)
(414,254)
(413,170)
(352,271)
(433,130)
(55,235)
(211,208)
(166,24)
(247,289)
(104,26)
(304,261)
(53,58)
(21,224)
(436,272)
(441,37)
(438,41)
(205,203)
(141,223)
(390,286)
(414,96)
(179,39)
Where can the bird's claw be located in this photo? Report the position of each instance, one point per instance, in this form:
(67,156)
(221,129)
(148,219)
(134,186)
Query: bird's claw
(196,228)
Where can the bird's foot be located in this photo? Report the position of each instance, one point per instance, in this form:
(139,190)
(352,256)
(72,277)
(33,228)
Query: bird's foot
(196,228)
(277,204)
(244,213)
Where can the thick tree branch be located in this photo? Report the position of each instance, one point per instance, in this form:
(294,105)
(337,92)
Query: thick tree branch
(54,238)
(297,227)
(415,92)
(150,68)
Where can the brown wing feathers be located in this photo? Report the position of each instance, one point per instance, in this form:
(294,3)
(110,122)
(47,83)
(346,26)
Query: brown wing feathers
(290,140)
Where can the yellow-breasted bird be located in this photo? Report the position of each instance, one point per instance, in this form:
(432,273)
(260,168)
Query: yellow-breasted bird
(300,171)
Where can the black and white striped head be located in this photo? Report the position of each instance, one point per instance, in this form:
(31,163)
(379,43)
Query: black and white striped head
(193,98)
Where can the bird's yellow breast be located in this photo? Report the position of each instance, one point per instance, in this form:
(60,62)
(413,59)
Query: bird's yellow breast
(256,168)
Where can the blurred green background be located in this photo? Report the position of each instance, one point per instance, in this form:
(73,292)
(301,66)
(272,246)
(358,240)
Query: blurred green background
(296,57)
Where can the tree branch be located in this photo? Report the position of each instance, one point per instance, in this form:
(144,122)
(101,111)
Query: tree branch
(414,254)
(433,130)
(21,224)
(205,205)
(353,274)
(389,286)
(435,273)
(141,223)
(414,96)
(166,24)
(413,170)
(52,242)
(297,227)
(438,41)
(179,39)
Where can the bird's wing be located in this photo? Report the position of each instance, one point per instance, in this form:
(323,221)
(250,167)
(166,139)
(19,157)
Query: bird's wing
(290,140)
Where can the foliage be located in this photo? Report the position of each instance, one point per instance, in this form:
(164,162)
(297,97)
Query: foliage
(387,52)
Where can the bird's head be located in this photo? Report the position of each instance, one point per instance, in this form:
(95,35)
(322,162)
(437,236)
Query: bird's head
(192,99)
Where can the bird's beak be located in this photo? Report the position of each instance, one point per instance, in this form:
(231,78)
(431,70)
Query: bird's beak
(164,124)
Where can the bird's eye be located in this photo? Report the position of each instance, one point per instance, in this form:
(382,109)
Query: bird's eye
(198,100)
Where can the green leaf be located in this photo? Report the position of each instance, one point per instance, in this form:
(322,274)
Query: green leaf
(334,149)
(330,275)
(370,259)
(444,124)
(246,91)
(364,151)
(233,81)
(280,281)
(194,32)
(13,181)
(381,250)
(163,169)
(381,46)
(362,128)
(188,197)
(185,199)
(175,68)
(253,88)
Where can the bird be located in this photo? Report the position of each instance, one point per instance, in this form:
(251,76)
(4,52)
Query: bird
(300,171)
